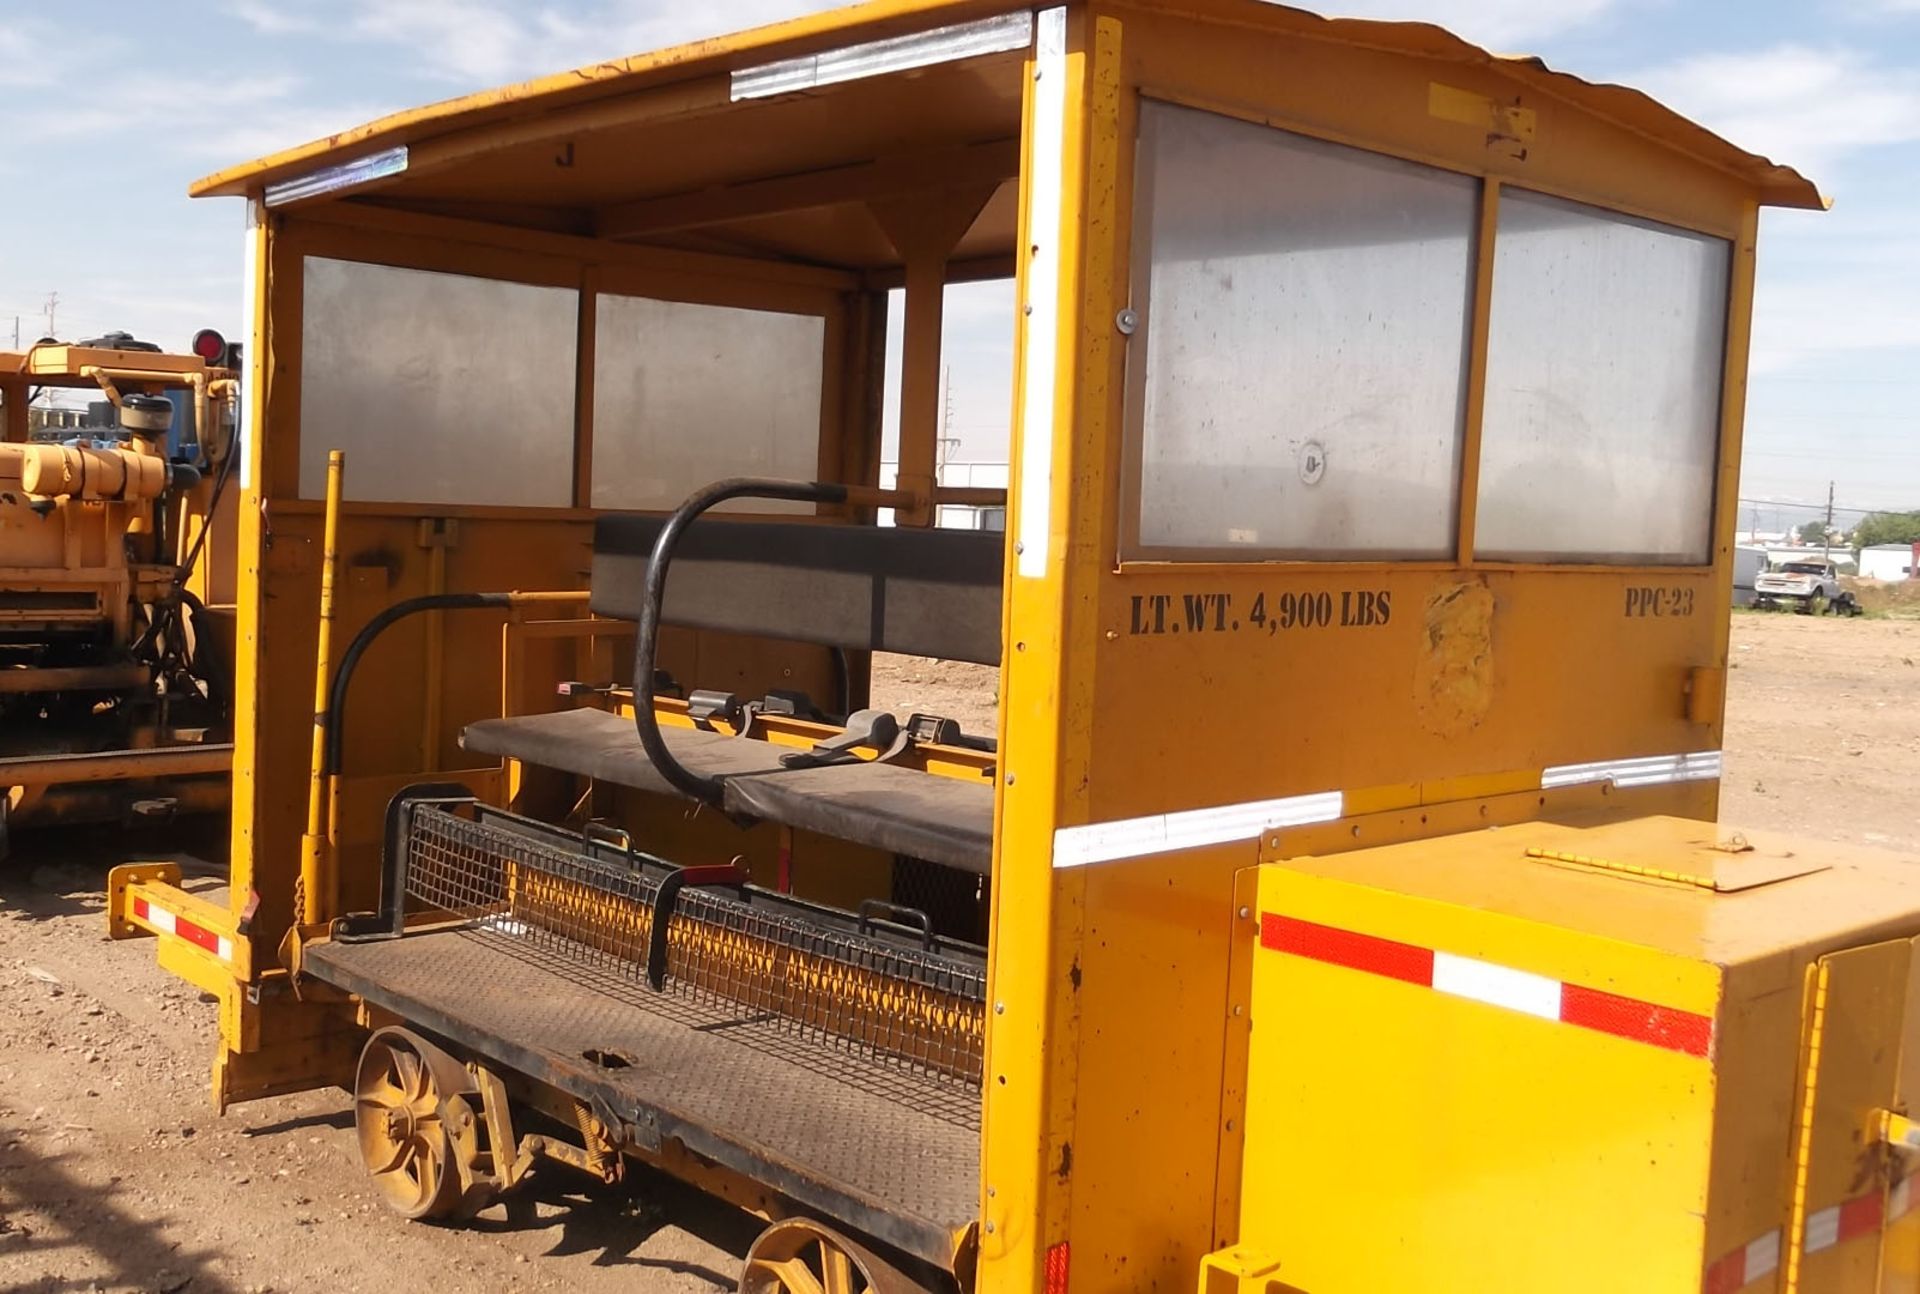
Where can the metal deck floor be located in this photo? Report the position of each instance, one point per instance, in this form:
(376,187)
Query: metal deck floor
(891,1153)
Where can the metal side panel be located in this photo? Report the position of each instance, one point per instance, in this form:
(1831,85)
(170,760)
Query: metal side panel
(1900,1249)
(891,1154)
(1856,1008)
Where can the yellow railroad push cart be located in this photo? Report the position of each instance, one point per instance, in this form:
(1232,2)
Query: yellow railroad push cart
(1338,905)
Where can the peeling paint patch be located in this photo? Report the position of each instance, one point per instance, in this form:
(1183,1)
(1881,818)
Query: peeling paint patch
(1453,679)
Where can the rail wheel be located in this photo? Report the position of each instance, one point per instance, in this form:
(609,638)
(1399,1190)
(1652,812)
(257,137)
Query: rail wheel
(802,1257)
(415,1123)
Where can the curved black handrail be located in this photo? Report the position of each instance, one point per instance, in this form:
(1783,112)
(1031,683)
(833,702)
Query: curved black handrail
(646,639)
(334,720)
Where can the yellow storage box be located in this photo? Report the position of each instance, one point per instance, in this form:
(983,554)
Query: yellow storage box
(1646,1056)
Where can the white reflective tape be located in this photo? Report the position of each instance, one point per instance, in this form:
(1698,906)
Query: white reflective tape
(226,949)
(879,57)
(1650,770)
(1823,1230)
(1763,1256)
(1497,985)
(1162,833)
(160,919)
(339,178)
(248,415)
(1900,1198)
(1040,353)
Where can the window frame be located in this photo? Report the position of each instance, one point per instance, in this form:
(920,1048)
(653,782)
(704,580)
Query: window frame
(1133,270)
(426,243)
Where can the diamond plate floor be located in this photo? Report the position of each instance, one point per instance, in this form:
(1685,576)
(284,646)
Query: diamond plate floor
(880,1151)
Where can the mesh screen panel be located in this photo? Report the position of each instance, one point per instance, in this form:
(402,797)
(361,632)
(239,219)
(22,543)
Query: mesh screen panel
(829,995)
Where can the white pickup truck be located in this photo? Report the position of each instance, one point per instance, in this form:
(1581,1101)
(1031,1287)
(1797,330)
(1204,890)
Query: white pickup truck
(1810,586)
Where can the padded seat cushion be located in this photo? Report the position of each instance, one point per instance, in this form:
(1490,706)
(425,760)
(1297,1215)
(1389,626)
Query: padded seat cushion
(899,810)
(864,588)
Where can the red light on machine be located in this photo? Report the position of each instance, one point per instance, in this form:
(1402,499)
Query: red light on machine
(210,346)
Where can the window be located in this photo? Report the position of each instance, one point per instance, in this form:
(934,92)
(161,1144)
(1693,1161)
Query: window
(1603,387)
(1299,391)
(684,395)
(440,388)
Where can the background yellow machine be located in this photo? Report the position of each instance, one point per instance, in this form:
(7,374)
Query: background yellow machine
(1338,906)
(116,582)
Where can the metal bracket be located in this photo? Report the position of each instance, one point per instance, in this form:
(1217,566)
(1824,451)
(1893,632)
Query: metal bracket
(876,728)
(664,900)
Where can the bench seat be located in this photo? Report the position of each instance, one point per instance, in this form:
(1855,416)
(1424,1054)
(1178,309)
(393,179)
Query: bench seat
(900,810)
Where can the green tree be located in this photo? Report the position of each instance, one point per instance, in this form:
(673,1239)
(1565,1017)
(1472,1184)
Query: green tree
(1812,532)
(1886,528)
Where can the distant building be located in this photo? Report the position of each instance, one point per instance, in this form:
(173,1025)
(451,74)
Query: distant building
(1748,561)
(1887,562)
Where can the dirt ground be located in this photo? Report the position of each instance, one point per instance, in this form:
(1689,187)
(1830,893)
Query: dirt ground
(115,1175)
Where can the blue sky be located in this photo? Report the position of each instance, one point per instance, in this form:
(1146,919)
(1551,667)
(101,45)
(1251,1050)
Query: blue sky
(105,123)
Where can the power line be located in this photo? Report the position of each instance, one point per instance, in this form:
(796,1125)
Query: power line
(1804,506)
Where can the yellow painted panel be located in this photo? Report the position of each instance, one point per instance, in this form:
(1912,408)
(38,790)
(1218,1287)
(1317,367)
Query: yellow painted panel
(1402,1137)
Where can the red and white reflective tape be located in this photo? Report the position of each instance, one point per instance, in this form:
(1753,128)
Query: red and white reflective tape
(1495,985)
(1864,1215)
(1743,1266)
(1860,1216)
(198,935)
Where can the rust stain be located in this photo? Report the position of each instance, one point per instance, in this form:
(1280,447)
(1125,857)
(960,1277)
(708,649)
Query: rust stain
(1453,679)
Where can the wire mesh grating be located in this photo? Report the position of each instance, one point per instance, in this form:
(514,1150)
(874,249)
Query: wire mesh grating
(844,1001)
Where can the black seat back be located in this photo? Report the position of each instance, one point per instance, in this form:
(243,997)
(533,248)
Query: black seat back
(864,588)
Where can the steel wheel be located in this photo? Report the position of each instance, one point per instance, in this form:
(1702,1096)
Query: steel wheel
(802,1257)
(412,1118)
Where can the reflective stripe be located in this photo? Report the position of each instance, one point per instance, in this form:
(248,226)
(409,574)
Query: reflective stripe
(1162,833)
(879,57)
(1863,1215)
(339,178)
(181,928)
(1743,1266)
(1497,985)
(1651,770)
(1040,350)
(251,393)
(1823,1229)
(1059,1259)
(1505,987)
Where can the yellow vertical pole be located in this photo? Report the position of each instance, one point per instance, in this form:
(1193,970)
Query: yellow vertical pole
(434,536)
(920,414)
(315,903)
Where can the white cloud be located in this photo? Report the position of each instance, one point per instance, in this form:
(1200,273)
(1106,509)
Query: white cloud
(270,18)
(1797,104)
(1505,26)
(189,105)
(24,58)
(477,43)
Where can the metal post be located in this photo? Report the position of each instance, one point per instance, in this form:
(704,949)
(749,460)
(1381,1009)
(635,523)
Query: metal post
(316,867)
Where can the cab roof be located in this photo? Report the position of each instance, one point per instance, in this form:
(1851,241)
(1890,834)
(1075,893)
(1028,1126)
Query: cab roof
(472,136)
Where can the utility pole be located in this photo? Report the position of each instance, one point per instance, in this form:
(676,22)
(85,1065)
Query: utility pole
(1827,535)
(16,332)
(53,304)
